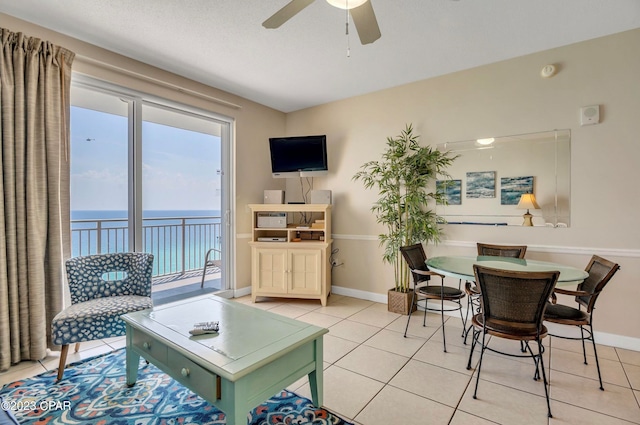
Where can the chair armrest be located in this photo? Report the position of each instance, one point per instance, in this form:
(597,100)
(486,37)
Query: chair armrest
(426,273)
(570,292)
(470,289)
(206,257)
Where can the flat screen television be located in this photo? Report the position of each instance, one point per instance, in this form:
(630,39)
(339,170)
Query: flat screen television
(301,156)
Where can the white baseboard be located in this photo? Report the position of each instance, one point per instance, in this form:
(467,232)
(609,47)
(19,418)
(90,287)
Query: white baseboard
(613,340)
(618,341)
(363,295)
(242,292)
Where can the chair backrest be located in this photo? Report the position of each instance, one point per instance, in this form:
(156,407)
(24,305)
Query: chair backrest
(600,273)
(415,257)
(513,251)
(514,299)
(108,275)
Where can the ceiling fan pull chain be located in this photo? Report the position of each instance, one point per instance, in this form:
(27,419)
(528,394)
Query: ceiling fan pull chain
(347,28)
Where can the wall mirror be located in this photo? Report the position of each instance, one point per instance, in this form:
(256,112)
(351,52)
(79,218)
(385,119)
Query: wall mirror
(490,175)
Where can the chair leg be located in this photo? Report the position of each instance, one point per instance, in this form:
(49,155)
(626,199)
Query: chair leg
(204,273)
(544,377)
(63,360)
(424,317)
(463,318)
(444,336)
(77,347)
(464,327)
(526,346)
(584,350)
(466,334)
(474,340)
(473,311)
(464,321)
(413,300)
(595,353)
(539,363)
(475,392)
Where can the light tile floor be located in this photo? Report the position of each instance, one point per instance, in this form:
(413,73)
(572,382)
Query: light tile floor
(373,375)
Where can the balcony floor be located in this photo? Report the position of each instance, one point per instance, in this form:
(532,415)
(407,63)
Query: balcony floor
(171,288)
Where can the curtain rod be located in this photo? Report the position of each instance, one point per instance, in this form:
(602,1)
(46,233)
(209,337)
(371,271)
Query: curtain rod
(156,81)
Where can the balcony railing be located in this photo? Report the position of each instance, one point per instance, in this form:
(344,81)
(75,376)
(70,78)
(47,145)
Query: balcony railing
(179,244)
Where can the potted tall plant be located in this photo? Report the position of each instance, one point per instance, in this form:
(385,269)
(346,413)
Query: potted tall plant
(404,178)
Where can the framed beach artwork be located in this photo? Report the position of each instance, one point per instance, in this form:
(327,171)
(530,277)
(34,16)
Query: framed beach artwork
(511,188)
(481,184)
(452,191)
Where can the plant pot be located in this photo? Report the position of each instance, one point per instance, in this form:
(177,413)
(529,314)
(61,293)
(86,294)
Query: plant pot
(400,302)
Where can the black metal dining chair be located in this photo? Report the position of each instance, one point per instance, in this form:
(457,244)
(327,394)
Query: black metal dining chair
(586,294)
(513,304)
(423,292)
(472,291)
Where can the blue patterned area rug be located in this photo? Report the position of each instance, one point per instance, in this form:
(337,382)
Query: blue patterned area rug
(94,391)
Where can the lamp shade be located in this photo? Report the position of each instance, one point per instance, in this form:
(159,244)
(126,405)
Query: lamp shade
(528,201)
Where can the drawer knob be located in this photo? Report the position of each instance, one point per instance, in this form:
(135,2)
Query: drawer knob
(184,372)
(146,345)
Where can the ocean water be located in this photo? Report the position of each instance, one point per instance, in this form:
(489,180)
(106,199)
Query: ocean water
(179,239)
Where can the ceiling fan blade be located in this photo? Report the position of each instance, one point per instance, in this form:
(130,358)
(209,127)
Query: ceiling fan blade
(365,21)
(286,13)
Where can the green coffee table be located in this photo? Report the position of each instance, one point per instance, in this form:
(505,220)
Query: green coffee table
(255,354)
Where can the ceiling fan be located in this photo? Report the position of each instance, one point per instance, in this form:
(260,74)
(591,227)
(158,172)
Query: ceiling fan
(361,12)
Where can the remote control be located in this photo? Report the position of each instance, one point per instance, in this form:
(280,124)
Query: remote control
(202,331)
(205,328)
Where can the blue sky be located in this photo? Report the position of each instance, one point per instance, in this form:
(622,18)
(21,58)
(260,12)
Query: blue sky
(179,166)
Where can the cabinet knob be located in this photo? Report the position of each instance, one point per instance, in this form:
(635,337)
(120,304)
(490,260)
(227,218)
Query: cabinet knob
(184,372)
(146,345)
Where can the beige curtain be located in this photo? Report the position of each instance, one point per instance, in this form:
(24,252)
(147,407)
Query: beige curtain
(35,78)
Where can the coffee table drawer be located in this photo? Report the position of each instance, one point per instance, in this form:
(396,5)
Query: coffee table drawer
(146,344)
(194,376)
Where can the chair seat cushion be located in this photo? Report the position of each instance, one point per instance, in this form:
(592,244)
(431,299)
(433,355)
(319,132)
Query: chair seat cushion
(564,314)
(435,291)
(95,319)
(509,330)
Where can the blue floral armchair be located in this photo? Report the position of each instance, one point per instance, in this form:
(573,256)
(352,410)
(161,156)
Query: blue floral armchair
(103,287)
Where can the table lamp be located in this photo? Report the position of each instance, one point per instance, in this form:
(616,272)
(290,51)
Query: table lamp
(528,201)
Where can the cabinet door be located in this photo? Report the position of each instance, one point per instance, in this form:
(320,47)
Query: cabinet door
(271,270)
(305,271)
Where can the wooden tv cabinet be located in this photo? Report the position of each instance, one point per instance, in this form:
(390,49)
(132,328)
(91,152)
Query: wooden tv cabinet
(290,254)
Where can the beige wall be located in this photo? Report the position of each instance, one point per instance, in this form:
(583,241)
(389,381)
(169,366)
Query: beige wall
(495,100)
(253,123)
(503,99)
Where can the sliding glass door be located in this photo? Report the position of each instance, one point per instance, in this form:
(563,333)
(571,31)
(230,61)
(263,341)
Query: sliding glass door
(182,195)
(149,175)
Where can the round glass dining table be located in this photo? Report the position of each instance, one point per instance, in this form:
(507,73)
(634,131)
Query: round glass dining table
(460,267)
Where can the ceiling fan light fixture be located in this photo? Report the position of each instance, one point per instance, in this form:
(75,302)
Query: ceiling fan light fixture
(346,4)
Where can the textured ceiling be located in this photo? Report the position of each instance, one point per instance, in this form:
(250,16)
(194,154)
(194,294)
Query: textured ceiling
(304,63)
